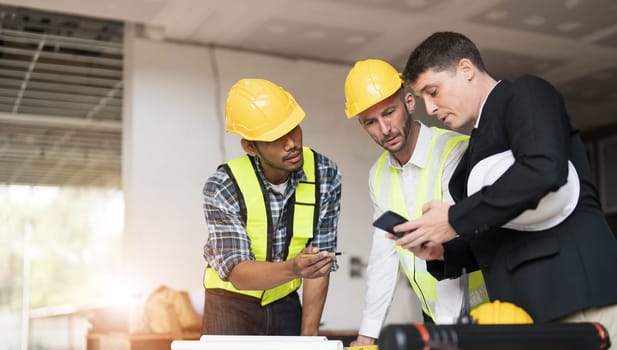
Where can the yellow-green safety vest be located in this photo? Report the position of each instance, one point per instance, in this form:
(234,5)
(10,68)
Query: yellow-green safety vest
(389,194)
(259,226)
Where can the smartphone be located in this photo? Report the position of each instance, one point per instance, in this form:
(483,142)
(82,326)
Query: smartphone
(388,220)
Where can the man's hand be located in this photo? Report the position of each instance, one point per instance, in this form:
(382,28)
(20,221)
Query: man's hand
(428,231)
(311,263)
(362,340)
(252,274)
(426,252)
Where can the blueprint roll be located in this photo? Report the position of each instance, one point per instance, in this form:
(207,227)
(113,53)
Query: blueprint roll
(249,342)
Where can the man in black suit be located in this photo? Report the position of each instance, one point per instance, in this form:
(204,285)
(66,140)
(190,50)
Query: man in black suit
(567,272)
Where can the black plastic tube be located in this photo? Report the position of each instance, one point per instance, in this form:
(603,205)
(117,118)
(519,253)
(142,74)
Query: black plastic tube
(548,336)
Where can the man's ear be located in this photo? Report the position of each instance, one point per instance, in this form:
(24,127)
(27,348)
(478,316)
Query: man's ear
(248,147)
(410,101)
(467,68)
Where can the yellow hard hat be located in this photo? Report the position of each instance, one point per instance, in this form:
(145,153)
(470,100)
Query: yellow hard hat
(369,82)
(260,110)
(497,312)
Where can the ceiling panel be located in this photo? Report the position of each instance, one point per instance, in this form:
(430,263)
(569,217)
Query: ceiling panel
(60,76)
(597,88)
(413,6)
(567,18)
(306,39)
(610,39)
(507,65)
(63,73)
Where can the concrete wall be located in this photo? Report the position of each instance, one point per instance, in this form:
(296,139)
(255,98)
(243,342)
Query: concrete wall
(174,139)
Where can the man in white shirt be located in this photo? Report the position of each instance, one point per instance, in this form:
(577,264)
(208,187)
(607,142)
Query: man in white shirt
(414,169)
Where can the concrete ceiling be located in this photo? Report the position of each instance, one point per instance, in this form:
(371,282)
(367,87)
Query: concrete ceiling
(572,43)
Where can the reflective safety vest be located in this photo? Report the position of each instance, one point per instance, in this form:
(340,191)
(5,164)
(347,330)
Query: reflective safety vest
(389,195)
(304,206)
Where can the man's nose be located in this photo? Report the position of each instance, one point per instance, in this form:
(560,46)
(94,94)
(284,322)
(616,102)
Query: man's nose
(385,126)
(288,142)
(431,108)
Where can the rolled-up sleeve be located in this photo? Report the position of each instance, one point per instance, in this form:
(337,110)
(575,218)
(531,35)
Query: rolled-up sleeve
(228,243)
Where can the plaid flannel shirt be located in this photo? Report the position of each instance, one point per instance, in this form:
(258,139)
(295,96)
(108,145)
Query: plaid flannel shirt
(228,242)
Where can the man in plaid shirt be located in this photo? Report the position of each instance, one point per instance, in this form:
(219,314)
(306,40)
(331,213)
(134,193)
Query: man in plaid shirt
(272,219)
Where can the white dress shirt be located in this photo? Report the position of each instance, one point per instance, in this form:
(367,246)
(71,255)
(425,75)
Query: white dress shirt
(383,264)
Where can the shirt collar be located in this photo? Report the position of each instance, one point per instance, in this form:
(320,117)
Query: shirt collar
(295,177)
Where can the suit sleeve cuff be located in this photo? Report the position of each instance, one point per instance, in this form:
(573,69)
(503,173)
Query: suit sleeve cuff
(436,268)
(457,254)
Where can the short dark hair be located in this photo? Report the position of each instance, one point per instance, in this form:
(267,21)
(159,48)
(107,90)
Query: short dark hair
(441,51)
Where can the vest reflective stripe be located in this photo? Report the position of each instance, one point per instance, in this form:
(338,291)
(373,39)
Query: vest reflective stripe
(389,194)
(258,225)
(307,194)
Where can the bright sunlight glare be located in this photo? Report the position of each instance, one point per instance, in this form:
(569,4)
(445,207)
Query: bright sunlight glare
(32,196)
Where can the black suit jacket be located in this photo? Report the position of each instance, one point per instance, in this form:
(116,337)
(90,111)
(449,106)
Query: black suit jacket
(549,273)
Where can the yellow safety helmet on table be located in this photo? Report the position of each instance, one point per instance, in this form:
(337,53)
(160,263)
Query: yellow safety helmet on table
(498,312)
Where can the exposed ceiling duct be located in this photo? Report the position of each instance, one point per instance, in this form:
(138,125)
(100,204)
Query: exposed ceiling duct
(60,99)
